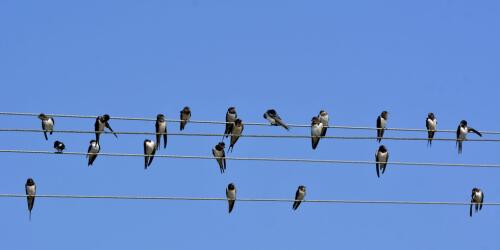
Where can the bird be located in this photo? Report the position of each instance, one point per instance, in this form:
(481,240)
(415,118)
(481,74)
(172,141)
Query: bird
(275,119)
(149,152)
(92,152)
(30,188)
(231,117)
(430,123)
(381,125)
(323,118)
(102,122)
(47,124)
(316,131)
(381,158)
(235,133)
(59,146)
(185,116)
(231,196)
(161,129)
(476,200)
(218,153)
(299,197)
(462,132)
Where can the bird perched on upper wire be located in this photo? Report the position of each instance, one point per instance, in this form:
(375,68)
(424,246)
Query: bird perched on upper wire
(316,131)
(161,129)
(231,117)
(431,125)
(272,116)
(102,122)
(462,132)
(185,116)
(381,125)
(47,124)
(323,118)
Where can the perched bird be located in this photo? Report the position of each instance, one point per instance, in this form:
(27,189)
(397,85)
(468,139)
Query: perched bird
(231,117)
(316,131)
(92,152)
(235,133)
(185,116)
(323,118)
(476,200)
(30,188)
(299,196)
(47,124)
(59,146)
(381,125)
(231,196)
(381,158)
(102,122)
(218,152)
(161,129)
(149,152)
(462,132)
(274,118)
(430,123)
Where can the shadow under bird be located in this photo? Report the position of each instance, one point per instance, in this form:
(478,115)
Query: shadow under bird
(477,198)
(47,124)
(431,125)
(316,131)
(102,122)
(185,116)
(161,129)
(323,118)
(381,158)
(299,197)
(218,152)
(231,117)
(59,146)
(462,132)
(149,152)
(235,133)
(92,151)
(30,188)
(274,119)
(231,196)
(381,125)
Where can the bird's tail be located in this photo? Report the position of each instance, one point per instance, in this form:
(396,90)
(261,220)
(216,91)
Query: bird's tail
(459,144)
(30,215)
(45,134)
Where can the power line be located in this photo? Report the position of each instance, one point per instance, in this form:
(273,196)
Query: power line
(435,164)
(245,123)
(381,202)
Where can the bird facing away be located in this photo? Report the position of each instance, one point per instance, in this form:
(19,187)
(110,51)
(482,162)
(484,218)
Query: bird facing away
(235,133)
(149,152)
(231,117)
(323,118)
(231,196)
(47,124)
(92,151)
(316,131)
(185,116)
(476,200)
(381,158)
(218,152)
(102,122)
(272,116)
(299,197)
(30,188)
(431,125)
(161,129)
(381,125)
(59,146)
(462,132)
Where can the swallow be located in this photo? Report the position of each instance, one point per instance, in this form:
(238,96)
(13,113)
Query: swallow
(274,118)
(323,118)
(185,116)
(462,132)
(102,122)
(235,133)
(92,152)
(430,123)
(218,152)
(476,200)
(231,196)
(381,125)
(231,117)
(47,124)
(299,197)
(30,188)
(316,131)
(161,129)
(149,152)
(59,146)
(381,158)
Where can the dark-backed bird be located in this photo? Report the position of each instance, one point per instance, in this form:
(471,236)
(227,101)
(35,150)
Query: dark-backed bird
(220,156)
(235,133)
(231,196)
(462,132)
(323,118)
(30,188)
(381,125)
(149,152)
(299,197)
(102,122)
(161,129)
(59,146)
(381,158)
(431,125)
(47,124)
(316,131)
(476,200)
(185,116)
(272,116)
(92,151)
(231,117)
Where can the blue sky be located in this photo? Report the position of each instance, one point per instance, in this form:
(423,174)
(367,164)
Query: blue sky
(352,58)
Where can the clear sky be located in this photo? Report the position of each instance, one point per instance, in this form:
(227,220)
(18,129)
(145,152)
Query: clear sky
(351,58)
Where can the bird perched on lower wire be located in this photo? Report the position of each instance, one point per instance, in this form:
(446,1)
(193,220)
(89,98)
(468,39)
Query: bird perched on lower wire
(102,122)
(462,132)
(185,116)
(231,117)
(235,133)
(381,158)
(59,146)
(220,156)
(30,189)
(272,116)
(149,152)
(476,200)
(161,129)
(47,124)
(430,124)
(323,118)
(299,197)
(231,196)
(92,151)
(381,124)
(316,131)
